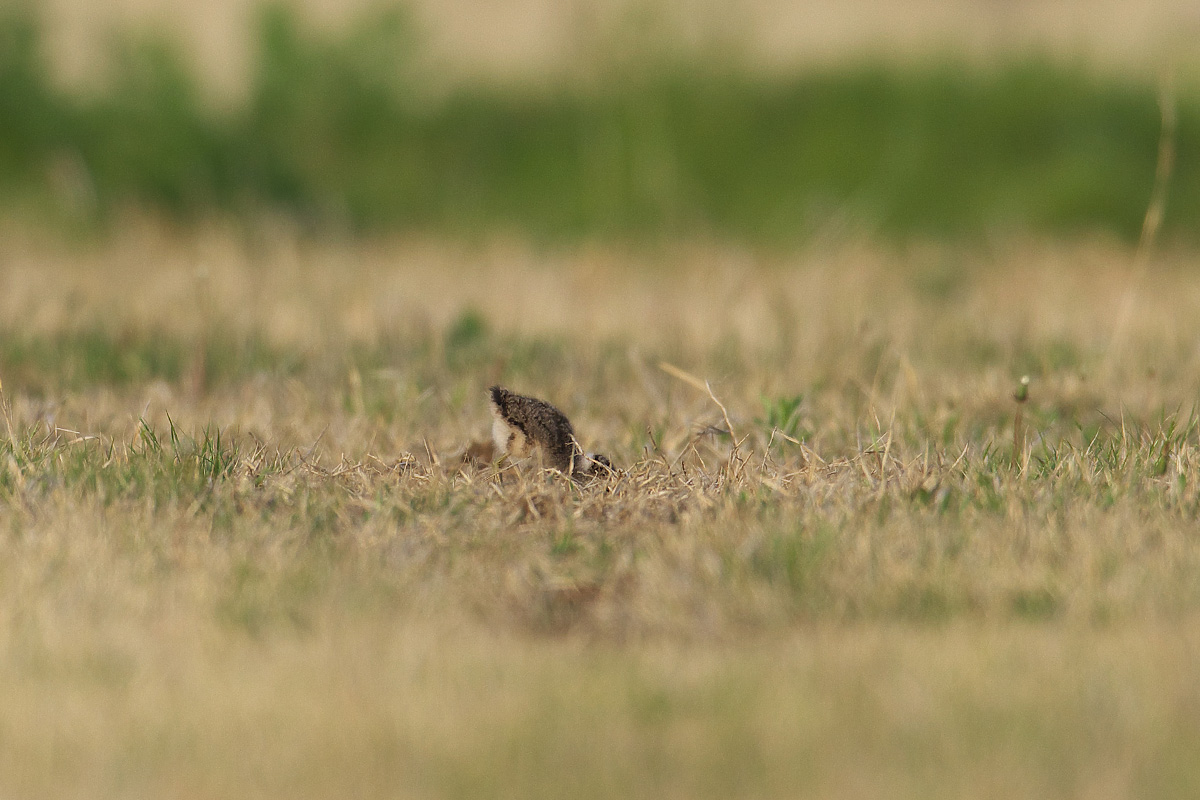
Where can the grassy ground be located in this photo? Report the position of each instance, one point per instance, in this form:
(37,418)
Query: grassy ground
(240,552)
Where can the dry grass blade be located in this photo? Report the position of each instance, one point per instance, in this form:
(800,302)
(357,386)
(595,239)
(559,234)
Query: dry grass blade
(1152,221)
(703,386)
(683,375)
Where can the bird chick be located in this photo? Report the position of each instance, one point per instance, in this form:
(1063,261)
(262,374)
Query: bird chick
(525,426)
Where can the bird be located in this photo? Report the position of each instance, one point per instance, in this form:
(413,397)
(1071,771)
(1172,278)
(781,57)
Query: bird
(525,426)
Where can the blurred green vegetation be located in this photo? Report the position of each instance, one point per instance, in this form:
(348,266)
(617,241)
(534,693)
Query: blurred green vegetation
(337,130)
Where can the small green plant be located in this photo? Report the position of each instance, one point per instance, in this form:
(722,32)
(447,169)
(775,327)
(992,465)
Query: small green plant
(1021,395)
(565,543)
(781,415)
(465,337)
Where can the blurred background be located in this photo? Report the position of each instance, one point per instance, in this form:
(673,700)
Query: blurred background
(760,121)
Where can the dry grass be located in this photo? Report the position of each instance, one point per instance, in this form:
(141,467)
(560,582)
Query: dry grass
(293,586)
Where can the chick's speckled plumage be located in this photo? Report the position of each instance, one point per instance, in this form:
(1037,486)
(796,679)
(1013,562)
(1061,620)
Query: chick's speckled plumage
(523,426)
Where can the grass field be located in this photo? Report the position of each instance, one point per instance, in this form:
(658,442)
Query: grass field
(241,555)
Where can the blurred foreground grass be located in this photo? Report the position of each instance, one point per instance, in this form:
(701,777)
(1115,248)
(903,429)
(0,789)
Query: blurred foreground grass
(239,552)
(345,132)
